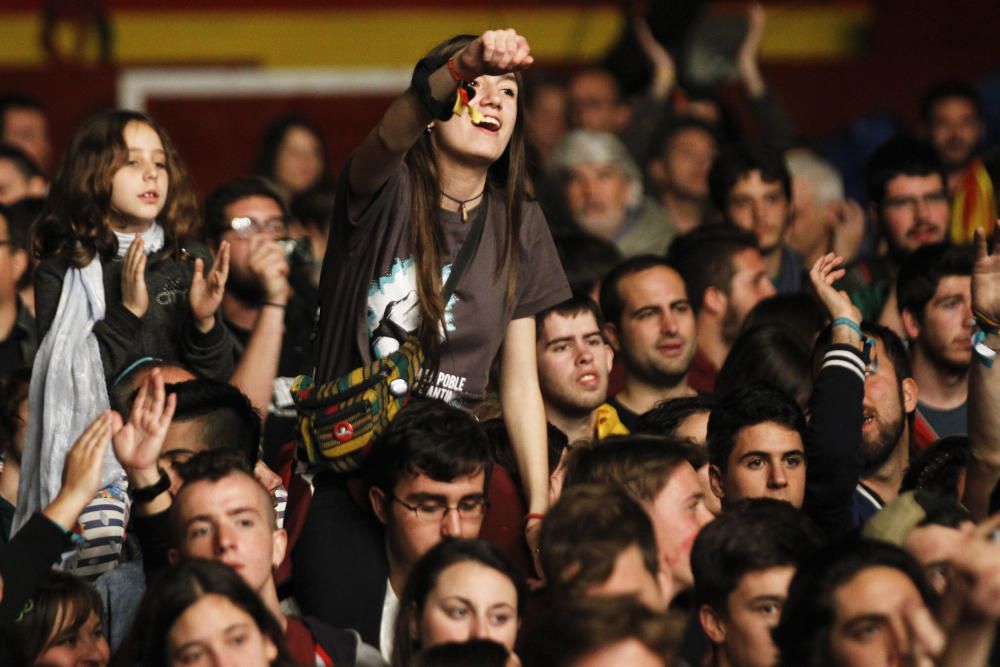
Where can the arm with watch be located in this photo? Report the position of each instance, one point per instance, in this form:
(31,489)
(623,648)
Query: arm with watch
(137,445)
(983,470)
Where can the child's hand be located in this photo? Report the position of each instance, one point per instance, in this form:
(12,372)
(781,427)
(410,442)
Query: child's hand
(206,292)
(135,297)
(138,443)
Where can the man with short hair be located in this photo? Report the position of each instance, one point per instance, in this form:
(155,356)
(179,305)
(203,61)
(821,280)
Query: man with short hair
(651,326)
(952,117)
(679,171)
(19,176)
(23,124)
(597,540)
(223,513)
(601,188)
(934,295)
(726,277)
(595,101)
(656,473)
(574,360)
(908,200)
(743,562)
(751,188)
(427,477)
(270,322)
(755,446)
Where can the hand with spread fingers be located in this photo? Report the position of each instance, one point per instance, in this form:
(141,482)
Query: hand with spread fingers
(138,442)
(986,278)
(81,472)
(206,292)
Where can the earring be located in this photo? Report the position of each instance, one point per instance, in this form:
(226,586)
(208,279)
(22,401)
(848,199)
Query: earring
(430,127)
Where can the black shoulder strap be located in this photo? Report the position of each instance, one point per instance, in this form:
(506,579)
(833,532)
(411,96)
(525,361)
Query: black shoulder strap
(467,251)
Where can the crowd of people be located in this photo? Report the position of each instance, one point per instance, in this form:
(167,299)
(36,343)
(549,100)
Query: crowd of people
(672,398)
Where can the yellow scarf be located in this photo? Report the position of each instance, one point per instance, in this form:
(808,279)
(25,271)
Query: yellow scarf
(974,206)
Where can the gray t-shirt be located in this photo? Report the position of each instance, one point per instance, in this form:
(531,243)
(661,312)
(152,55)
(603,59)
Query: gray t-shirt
(947,422)
(377,245)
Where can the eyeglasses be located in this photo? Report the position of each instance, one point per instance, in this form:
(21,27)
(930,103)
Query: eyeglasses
(248,226)
(432,511)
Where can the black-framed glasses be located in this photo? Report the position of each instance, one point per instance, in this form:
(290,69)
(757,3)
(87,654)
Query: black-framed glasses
(246,226)
(431,511)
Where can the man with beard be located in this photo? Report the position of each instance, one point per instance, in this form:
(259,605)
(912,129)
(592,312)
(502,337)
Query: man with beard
(651,324)
(270,322)
(887,424)
(725,277)
(751,187)
(908,200)
(574,360)
(952,114)
(935,302)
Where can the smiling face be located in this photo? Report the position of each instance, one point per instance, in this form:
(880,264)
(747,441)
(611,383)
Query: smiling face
(214,631)
(139,188)
(462,141)
(573,364)
(470,601)
(231,520)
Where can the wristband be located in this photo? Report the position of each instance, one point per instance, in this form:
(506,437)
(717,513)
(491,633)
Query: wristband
(453,70)
(421,85)
(532,516)
(273,304)
(984,354)
(845,322)
(145,494)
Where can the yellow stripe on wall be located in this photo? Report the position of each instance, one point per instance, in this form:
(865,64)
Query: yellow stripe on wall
(396,37)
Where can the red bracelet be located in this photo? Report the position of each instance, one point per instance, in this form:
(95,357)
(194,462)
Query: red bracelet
(453,70)
(532,516)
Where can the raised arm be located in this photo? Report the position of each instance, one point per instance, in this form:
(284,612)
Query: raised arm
(833,438)
(382,151)
(984,382)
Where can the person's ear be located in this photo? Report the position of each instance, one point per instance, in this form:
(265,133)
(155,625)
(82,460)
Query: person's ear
(911,394)
(173,556)
(713,626)
(611,357)
(657,171)
(376,497)
(910,324)
(37,187)
(715,481)
(715,300)
(611,331)
(279,545)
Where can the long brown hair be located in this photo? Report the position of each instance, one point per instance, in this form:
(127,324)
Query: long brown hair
(77,221)
(508,174)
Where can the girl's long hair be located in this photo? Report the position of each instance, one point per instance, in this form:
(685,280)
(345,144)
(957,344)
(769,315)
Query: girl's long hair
(507,174)
(77,223)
